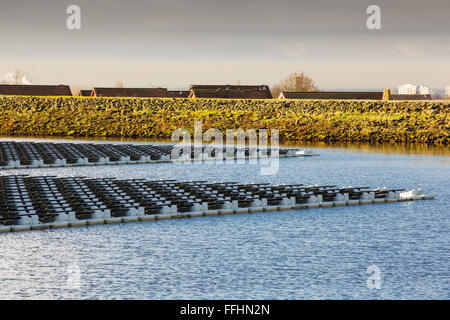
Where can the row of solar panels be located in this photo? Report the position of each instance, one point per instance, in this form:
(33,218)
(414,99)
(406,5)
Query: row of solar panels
(17,154)
(46,199)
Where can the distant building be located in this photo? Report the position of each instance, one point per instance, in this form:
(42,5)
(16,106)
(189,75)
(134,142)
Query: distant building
(413,89)
(359,95)
(447,92)
(34,90)
(178,94)
(230,91)
(410,97)
(85,93)
(130,92)
(347,95)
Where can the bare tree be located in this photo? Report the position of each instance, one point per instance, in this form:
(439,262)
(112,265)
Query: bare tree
(75,89)
(294,82)
(16,77)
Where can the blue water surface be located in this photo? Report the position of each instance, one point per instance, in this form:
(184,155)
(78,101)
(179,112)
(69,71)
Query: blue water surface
(307,254)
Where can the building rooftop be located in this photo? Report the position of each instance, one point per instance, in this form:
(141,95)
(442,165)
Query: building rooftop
(85,93)
(35,90)
(230,91)
(179,94)
(345,95)
(130,92)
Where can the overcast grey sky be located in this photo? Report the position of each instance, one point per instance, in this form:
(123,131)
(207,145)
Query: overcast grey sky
(174,43)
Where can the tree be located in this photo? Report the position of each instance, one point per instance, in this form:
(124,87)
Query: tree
(75,90)
(294,82)
(16,77)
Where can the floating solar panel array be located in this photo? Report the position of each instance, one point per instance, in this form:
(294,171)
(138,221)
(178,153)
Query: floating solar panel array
(47,154)
(49,202)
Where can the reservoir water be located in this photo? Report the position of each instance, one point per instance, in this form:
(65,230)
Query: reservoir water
(317,253)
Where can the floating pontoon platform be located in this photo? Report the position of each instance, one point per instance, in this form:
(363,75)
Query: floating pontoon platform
(19,155)
(30,203)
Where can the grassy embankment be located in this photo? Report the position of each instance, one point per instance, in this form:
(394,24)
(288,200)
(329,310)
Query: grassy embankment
(300,120)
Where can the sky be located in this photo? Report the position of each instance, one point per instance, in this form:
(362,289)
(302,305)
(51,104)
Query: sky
(175,43)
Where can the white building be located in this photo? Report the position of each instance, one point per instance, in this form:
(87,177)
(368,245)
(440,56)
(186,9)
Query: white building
(413,89)
(447,91)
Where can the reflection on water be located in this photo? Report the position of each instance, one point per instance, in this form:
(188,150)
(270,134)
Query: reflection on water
(384,148)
